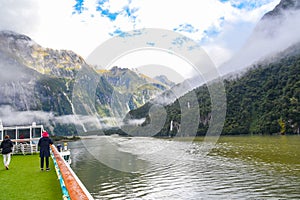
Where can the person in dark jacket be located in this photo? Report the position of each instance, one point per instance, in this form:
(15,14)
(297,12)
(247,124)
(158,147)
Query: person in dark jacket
(44,146)
(6,146)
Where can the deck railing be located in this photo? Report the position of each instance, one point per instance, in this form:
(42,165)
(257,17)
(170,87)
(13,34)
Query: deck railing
(75,188)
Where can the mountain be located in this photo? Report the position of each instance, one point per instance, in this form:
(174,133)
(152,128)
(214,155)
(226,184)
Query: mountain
(137,88)
(264,98)
(278,22)
(276,31)
(163,79)
(50,86)
(58,63)
(279,10)
(37,84)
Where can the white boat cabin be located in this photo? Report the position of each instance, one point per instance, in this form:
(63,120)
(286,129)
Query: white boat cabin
(25,138)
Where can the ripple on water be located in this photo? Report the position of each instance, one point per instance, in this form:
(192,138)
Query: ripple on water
(180,171)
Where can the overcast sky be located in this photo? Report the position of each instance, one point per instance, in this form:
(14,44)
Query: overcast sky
(219,26)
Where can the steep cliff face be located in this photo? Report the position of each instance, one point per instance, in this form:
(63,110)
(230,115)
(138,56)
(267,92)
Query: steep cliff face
(284,5)
(50,86)
(276,31)
(265,99)
(137,88)
(278,20)
(39,82)
(58,63)
(17,83)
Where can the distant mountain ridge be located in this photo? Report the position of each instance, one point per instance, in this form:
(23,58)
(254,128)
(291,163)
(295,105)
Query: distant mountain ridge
(276,31)
(265,98)
(58,63)
(163,79)
(39,82)
(138,88)
(281,7)
(35,79)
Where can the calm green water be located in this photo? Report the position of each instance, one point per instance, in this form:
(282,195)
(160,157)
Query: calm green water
(258,167)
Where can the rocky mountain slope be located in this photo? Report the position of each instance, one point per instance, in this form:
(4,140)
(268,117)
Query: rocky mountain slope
(58,63)
(137,88)
(265,98)
(276,31)
(41,84)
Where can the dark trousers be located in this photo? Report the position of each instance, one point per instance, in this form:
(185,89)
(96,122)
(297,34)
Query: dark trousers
(42,162)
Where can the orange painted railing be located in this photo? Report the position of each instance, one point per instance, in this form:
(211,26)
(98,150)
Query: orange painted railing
(75,188)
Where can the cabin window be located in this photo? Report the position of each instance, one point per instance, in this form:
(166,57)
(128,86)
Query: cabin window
(36,132)
(11,133)
(23,133)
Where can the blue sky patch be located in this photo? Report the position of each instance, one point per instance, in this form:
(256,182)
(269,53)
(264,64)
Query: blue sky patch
(106,12)
(130,12)
(186,28)
(246,4)
(118,32)
(210,33)
(179,41)
(126,11)
(79,7)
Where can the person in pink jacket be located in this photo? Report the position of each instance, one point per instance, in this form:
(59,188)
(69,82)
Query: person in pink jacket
(44,147)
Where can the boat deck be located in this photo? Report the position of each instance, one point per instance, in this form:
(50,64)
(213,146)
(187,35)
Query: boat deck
(24,180)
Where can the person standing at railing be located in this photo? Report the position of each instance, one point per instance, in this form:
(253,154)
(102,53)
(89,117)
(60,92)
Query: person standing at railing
(44,146)
(6,146)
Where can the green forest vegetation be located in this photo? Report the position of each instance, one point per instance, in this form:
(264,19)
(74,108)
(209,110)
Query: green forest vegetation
(263,100)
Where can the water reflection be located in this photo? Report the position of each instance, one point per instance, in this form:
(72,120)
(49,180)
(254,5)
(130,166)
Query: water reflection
(233,170)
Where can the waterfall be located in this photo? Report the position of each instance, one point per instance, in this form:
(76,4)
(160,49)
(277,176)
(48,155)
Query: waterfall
(171,125)
(73,111)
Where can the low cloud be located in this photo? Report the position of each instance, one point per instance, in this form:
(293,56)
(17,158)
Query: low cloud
(19,15)
(271,36)
(10,116)
(136,121)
